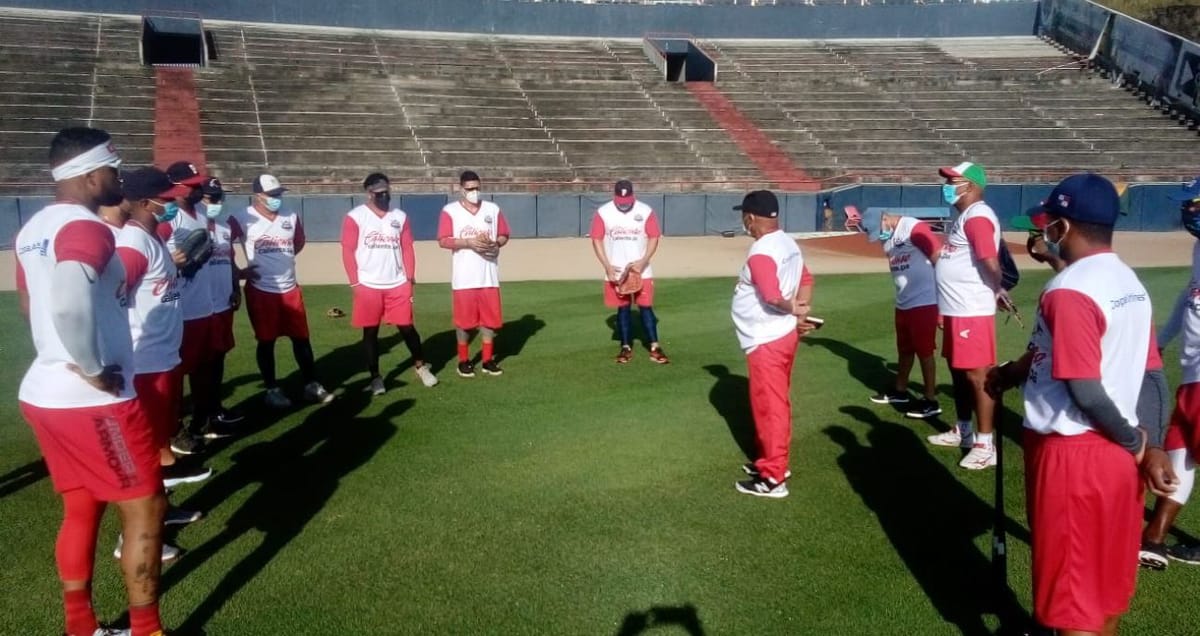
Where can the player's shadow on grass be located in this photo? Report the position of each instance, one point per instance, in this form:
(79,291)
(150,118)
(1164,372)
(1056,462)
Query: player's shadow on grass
(297,474)
(442,348)
(730,396)
(22,477)
(931,519)
(658,618)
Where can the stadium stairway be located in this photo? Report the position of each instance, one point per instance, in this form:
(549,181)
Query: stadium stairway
(177,119)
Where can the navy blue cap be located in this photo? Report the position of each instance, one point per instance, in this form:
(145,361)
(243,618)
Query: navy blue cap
(1189,191)
(151,183)
(1087,197)
(760,203)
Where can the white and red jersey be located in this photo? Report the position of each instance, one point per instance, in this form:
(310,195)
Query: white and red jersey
(155,315)
(272,245)
(377,249)
(909,249)
(1185,319)
(773,268)
(974,236)
(1093,323)
(220,264)
(195,293)
(468,268)
(63,232)
(625,234)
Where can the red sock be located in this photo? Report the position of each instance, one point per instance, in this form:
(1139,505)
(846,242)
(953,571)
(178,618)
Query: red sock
(81,618)
(487,351)
(464,352)
(144,620)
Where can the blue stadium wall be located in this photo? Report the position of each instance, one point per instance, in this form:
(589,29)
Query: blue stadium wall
(1017,17)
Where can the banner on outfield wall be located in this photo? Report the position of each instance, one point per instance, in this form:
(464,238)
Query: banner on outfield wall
(570,215)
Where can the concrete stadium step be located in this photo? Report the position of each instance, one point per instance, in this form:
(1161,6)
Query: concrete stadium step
(496,156)
(544,145)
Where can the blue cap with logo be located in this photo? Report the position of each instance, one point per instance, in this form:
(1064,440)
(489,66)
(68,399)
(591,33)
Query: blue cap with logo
(1087,197)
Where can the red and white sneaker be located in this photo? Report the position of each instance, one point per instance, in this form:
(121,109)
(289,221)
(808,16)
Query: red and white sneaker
(981,456)
(659,356)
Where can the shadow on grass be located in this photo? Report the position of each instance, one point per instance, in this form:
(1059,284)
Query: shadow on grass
(931,519)
(730,396)
(441,349)
(637,331)
(658,618)
(22,477)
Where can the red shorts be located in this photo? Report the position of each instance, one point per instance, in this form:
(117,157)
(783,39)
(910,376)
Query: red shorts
(108,451)
(969,342)
(275,316)
(373,307)
(644,298)
(160,395)
(478,307)
(916,330)
(1084,501)
(1184,429)
(221,332)
(196,349)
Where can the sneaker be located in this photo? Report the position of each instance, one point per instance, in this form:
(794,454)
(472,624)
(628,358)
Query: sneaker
(427,377)
(466,369)
(924,409)
(216,429)
(1185,553)
(187,444)
(110,631)
(169,552)
(659,356)
(277,400)
(750,469)
(180,517)
(315,393)
(890,397)
(376,387)
(229,416)
(491,368)
(1153,555)
(184,472)
(951,438)
(981,456)
(762,487)
(625,355)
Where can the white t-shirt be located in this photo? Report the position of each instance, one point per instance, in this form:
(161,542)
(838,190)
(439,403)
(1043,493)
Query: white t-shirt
(155,315)
(68,231)
(625,234)
(377,253)
(756,322)
(1101,317)
(1185,319)
(960,287)
(469,269)
(912,272)
(220,264)
(271,245)
(195,293)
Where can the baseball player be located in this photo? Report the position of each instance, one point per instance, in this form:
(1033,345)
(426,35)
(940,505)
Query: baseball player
(474,230)
(625,235)
(377,253)
(78,394)
(224,282)
(272,236)
(912,248)
(1093,405)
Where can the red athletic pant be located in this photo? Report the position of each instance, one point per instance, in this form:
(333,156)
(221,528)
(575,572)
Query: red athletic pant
(770,370)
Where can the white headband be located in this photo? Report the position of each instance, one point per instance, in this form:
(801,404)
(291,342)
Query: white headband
(99,157)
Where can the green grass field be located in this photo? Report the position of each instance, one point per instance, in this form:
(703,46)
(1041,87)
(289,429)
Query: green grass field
(571,496)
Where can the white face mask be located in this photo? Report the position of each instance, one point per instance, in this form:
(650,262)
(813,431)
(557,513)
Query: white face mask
(274,203)
(472,196)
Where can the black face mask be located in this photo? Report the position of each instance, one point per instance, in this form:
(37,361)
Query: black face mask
(195,196)
(383,200)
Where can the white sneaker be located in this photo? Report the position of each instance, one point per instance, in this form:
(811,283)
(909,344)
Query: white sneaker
(108,631)
(314,392)
(427,376)
(277,400)
(951,438)
(981,456)
(169,552)
(376,387)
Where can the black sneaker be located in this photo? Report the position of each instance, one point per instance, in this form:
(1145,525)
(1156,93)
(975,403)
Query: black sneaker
(1185,553)
(466,369)
(923,409)
(184,472)
(762,487)
(180,517)
(187,444)
(1153,555)
(229,416)
(491,368)
(890,397)
(217,429)
(750,469)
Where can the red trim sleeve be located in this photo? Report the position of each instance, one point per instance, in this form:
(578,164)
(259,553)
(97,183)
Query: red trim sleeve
(349,247)
(652,229)
(981,234)
(806,277)
(135,264)
(1076,326)
(501,225)
(925,240)
(22,285)
(86,242)
(1153,357)
(764,273)
(445,232)
(164,231)
(407,256)
(597,231)
(298,237)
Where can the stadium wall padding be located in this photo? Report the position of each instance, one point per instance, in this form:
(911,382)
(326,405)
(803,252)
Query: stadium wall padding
(570,215)
(599,20)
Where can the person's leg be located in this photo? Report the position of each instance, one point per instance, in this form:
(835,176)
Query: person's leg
(929,376)
(964,398)
(903,370)
(770,382)
(649,325)
(265,355)
(625,325)
(466,318)
(488,337)
(463,339)
(370,341)
(491,320)
(303,352)
(983,403)
(1167,509)
(75,554)
(412,340)
(141,560)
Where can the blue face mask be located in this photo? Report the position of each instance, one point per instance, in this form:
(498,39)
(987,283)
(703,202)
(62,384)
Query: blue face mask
(950,193)
(1054,249)
(274,203)
(212,210)
(169,210)
(885,234)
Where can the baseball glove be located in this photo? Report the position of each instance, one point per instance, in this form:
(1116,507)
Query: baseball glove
(197,248)
(630,282)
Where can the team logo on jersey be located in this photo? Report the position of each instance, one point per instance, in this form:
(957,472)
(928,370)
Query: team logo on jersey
(396,224)
(287,225)
(40,248)
(487,219)
(639,218)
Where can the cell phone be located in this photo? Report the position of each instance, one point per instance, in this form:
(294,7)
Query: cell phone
(814,321)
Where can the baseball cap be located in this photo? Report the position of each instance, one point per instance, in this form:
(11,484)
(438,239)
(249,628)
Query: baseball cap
(1086,197)
(185,173)
(150,183)
(1189,192)
(267,184)
(623,193)
(760,203)
(212,188)
(970,171)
